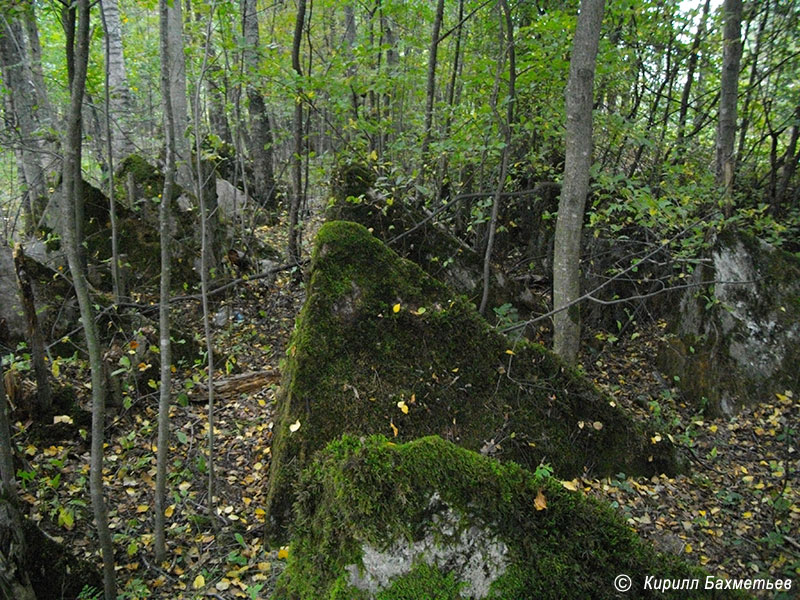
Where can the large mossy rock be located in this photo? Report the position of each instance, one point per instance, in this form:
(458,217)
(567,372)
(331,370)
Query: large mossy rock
(738,342)
(427,519)
(382,347)
(413,235)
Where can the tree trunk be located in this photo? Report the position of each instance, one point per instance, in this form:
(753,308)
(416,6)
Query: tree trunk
(118,90)
(430,85)
(729,89)
(14,580)
(261,141)
(297,163)
(694,54)
(165,347)
(23,100)
(577,162)
(72,188)
(512,77)
(178,96)
(43,395)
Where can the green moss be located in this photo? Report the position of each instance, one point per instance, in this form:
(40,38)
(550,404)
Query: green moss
(424,581)
(352,359)
(373,492)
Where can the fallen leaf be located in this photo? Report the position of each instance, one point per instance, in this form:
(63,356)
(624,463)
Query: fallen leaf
(396,308)
(294,426)
(283,553)
(403,406)
(540,502)
(199,582)
(571,485)
(394,429)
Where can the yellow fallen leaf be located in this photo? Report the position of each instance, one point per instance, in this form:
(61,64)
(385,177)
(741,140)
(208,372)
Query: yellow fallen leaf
(597,425)
(62,419)
(540,502)
(395,431)
(294,426)
(396,308)
(283,553)
(688,549)
(511,352)
(403,406)
(142,508)
(199,582)
(169,511)
(223,584)
(572,486)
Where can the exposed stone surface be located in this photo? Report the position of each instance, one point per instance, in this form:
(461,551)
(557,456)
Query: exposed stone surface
(738,341)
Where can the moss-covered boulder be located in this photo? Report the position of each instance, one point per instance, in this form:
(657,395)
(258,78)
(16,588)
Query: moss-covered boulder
(413,234)
(737,342)
(382,347)
(427,519)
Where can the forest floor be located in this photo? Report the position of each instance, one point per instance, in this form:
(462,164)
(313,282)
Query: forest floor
(736,510)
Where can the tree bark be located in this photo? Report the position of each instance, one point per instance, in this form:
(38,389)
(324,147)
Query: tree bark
(118,90)
(43,395)
(512,77)
(578,160)
(297,163)
(261,140)
(23,101)
(729,89)
(178,96)
(430,86)
(165,346)
(14,580)
(72,188)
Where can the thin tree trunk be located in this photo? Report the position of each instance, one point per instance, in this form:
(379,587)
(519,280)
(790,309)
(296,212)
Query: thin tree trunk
(694,54)
(512,77)
(430,86)
(261,140)
(206,246)
(112,204)
(297,162)
(72,188)
(751,86)
(43,395)
(165,347)
(729,89)
(578,161)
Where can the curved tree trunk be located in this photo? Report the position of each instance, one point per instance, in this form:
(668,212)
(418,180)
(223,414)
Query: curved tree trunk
(71,192)
(578,160)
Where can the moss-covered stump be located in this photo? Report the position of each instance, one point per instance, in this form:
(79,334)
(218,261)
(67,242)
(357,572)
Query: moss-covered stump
(738,342)
(381,347)
(428,519)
